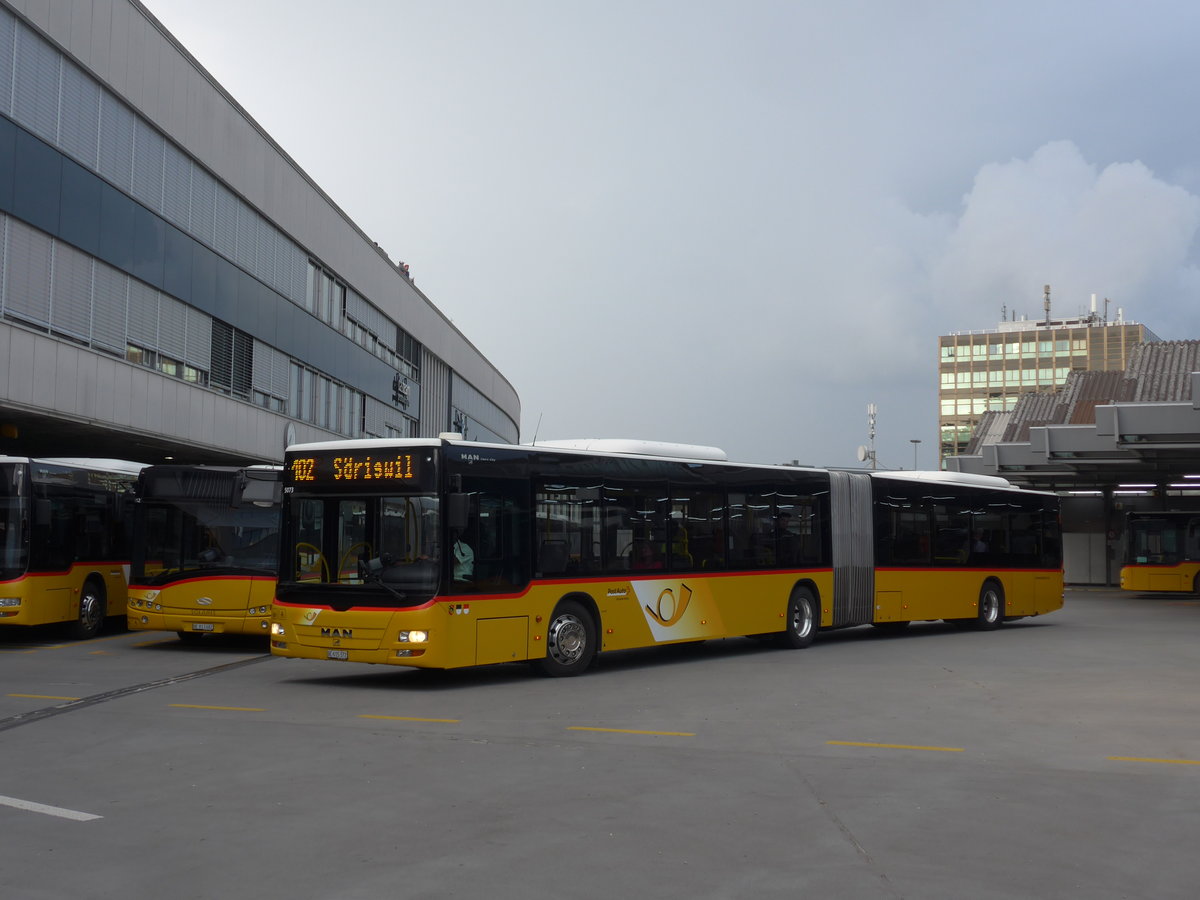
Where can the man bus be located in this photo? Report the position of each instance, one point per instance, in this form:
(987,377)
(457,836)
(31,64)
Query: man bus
(206,548)
(608,545)
(1162,552)
(64,541)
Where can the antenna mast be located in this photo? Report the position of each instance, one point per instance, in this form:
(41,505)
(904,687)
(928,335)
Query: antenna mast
(871,431)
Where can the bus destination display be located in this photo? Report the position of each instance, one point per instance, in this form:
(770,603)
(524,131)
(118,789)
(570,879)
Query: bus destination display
(347,468)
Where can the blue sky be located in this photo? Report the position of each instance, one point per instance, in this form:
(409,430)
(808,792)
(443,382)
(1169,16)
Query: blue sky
(738,223)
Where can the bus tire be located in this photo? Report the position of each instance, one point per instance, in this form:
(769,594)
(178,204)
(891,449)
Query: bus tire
(93,609)
(570,642)
(991,606)
(802,619)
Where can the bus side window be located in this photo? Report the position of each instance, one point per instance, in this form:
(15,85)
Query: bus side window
(497,531)
(1192,551)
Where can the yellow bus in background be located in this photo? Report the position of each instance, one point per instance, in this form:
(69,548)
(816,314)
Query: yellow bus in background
(64,541)
(444,554)
(206,550)
(1162,552)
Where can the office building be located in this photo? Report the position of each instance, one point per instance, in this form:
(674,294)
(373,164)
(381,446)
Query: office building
(987,371)
(173,284)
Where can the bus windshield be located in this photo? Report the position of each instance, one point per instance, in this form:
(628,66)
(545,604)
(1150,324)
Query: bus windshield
(14,519)
(1166,540)
(186,538)
(384,548)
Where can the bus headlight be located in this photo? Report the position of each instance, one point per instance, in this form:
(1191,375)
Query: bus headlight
(10,601)
(151,596)
(277,630)
(414,637)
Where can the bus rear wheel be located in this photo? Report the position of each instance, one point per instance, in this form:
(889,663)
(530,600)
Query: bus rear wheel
(570,642)
(92,609)
(991,607)
(802,619)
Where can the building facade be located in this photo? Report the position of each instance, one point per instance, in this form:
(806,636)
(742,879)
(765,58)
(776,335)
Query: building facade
(173,284)
(987,371)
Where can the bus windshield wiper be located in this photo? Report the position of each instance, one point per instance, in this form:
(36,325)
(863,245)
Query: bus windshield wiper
(371,571)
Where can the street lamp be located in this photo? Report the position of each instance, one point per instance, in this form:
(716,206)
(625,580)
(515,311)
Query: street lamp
(914,442)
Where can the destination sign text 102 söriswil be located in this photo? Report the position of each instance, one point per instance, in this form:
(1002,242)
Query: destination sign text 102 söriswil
(354,468)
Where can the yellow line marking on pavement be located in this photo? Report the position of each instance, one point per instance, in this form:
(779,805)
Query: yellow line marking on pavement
(633,731)
(225,708)
(411,719)
(895,746)
(1168,762)
(111,637)
(43,697)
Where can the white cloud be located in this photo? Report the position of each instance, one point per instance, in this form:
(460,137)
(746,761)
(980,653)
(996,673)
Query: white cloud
(1057,219)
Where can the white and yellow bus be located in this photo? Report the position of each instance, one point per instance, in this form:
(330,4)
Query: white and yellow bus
(64,541)
(444,554)
(1162,552)
(206,550)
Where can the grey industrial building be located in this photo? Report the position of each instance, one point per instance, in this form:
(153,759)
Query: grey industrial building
(172,284)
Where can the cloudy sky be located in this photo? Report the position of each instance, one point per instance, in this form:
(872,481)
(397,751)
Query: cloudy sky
(738,222)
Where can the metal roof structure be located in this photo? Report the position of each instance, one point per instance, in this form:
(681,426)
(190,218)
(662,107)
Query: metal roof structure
(1102,428)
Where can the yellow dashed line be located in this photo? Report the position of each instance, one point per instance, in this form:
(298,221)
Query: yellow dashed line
(411,719)
(224,708)
(633,731)
(895,746)
(1167,762)
(43,697)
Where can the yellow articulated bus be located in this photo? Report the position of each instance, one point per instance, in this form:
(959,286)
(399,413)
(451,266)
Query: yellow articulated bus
(206,550)
(64,541)
(444,554)
(1162,552)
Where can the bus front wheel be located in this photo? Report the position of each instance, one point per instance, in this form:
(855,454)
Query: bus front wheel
(92,610)
(802,619)
(570,641)
(991,607)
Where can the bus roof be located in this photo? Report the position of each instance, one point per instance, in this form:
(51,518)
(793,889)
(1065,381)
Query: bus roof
(639,448)
(118,466)
(964,478)
(657,450)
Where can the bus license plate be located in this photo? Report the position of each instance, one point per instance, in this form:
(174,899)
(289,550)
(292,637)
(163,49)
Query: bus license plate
(202,626)
(339,654)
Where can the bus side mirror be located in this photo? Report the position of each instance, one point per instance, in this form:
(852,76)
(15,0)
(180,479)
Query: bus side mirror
(260,489)
(457,509)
